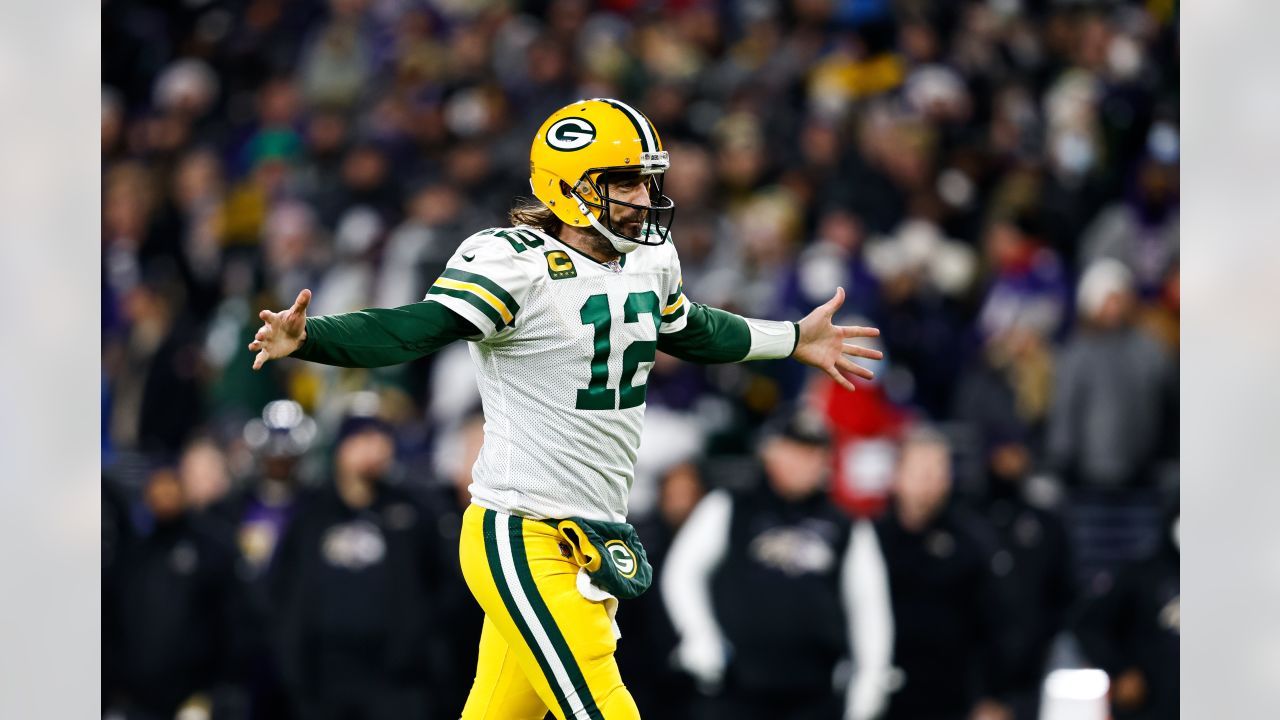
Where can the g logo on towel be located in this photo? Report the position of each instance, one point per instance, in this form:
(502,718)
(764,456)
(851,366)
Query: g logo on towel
(623,558)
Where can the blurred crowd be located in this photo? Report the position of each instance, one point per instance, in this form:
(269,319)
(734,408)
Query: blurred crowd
(994,183)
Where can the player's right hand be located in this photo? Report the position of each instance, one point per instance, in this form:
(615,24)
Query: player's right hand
(281,333)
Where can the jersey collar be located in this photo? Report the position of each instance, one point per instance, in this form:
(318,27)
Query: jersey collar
(620,263)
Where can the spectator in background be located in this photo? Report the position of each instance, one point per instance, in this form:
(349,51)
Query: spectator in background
(202,470)
(419,247)
(1142,230)
(293,252)
(866,426)
(924,278)
(794,554)
(365,180)
(250,201)
(326,139)
(1002,403)
(353,590)
(1132,629)
(255,517)
(834,259)
(1073,179)
(128,206)
(348,279)
(1004,396)
(766,226)
(1034,569)
(645,655)
(338,63)
(1029,284)
(156,399)
(185,92)
(276,135)
(187,230)
(891,161)
(461,617)
(1114,385)
(168,606)
(947,606)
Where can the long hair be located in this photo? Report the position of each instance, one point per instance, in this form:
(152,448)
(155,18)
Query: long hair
(530,211)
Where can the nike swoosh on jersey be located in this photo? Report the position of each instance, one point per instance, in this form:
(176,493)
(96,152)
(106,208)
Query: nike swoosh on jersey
(468,259)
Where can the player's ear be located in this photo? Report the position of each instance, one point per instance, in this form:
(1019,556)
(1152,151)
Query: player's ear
(564,188)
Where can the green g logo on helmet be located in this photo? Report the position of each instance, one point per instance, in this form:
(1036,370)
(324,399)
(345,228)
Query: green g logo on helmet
(571,133)
(623,558)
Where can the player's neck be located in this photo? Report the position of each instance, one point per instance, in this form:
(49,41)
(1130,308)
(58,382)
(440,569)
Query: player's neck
(588,243)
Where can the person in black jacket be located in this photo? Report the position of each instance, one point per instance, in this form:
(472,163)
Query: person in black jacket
(767,587)
(167,608)
(352,587)
(1132,629)
(255,518)
(461,617)
(644,656)
(1034,569)
(947,605)
(156,398)
(117,541)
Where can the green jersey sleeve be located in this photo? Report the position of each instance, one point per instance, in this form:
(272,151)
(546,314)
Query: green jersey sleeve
(378,337)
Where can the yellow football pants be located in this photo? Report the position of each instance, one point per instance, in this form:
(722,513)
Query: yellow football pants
(543,646)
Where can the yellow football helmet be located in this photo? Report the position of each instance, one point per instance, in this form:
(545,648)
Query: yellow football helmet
(579,148)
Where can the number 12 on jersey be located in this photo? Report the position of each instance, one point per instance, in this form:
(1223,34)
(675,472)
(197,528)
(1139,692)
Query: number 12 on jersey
(597,395)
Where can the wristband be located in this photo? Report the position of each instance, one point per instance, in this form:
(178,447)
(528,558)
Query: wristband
(772,339)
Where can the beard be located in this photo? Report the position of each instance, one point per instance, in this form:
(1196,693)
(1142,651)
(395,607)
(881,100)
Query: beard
(598,245)
(630,225)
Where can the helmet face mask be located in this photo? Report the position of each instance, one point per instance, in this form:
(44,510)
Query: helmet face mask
(580,156)
(654,219)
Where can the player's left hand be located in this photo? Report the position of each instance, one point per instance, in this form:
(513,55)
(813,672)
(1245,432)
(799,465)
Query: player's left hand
(822,344)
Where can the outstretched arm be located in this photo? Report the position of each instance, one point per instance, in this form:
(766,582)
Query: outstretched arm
(715,336)
(369,338)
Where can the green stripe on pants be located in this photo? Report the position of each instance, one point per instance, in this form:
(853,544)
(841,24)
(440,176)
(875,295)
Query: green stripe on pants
(548,622)
(499,579)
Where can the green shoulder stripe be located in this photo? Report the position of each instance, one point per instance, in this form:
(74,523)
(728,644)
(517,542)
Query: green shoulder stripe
(484,282)
(474,301)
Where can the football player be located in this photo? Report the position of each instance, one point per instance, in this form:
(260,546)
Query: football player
(564,312)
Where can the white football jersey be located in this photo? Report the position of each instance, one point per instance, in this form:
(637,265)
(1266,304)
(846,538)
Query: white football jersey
(567,346)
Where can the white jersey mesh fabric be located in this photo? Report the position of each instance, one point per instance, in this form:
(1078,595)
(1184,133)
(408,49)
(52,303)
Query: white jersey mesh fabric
(566,351)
